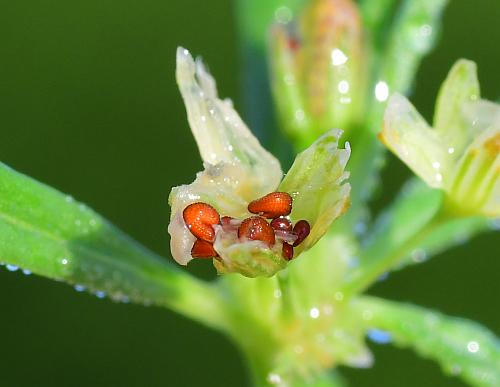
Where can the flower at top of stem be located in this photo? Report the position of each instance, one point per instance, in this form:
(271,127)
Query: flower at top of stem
(461,154)
(239,211)
(317,68)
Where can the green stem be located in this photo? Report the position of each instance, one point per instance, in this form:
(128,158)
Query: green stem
(374,266)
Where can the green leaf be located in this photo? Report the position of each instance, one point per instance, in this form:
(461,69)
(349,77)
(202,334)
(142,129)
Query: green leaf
(463,348)
(50,234)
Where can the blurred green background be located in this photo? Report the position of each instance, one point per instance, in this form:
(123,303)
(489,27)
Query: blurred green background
(88,104)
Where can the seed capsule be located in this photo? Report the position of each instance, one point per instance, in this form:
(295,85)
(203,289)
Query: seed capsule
(203,249)
(272,205)
(287,251)
(199,218)
(302,230)
(281,224)
(256,228)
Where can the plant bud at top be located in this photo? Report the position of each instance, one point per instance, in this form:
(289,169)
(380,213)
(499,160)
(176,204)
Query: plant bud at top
(318,69)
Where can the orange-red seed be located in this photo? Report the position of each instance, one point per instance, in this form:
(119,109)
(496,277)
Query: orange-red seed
(272,205)
(257,228)
(203,249)
(200,219)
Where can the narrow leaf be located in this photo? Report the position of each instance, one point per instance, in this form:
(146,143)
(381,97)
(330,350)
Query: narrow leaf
(463,348)
(50,234)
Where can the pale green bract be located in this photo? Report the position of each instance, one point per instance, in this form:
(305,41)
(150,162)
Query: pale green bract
(238,170)
(461,155)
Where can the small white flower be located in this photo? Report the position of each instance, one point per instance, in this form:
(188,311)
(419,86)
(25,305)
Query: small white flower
(461,154)
(238,170)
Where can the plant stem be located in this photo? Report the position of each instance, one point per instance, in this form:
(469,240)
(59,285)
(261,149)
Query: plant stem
(374,266)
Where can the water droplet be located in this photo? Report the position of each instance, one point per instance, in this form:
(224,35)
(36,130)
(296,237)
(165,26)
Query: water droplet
(418,255)
(79,288)
(343,87)
(495,224)
(100,294)
(436,165)
(12,267)
(456,369)
(69,199)
(383,276)
(64,261)
(274,379)
(381,91)
(328,310)
(473,346)
(439,177)
(299,115)
(314,313)
(360,228)
(451,150)
(26,272)
(277,293)
(338,57)
(283,15)
(425,30)
(378,336)
(367,314)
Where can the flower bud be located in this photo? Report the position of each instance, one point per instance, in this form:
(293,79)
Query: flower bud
(317,69)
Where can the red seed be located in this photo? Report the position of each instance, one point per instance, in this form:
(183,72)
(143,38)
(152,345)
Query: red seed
(257,228)
(199,218)
(287,251)
(272,205)
(302,230)
(281,224)
(203,249)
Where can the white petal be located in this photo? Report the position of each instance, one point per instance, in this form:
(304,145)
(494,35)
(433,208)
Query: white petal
(407,134)
(219,131)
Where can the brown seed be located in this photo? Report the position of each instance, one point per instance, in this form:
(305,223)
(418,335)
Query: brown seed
(302,230)
(281,224)
(203,249)
(200,219)
(272,205)
(287,251)
(257,228)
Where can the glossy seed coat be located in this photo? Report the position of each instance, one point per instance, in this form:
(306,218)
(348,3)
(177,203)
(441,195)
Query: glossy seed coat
(287,251)
(272,205)
(203,249)
(200,219)
(257,228)
(281,224)
(302,230)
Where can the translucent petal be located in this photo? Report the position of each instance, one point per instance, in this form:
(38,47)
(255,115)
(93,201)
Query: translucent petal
(460,87)
(221,135)
(315,182)
(237,168)
(476,185)
(407,134)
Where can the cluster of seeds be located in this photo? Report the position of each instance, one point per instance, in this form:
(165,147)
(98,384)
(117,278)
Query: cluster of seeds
(200,218)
